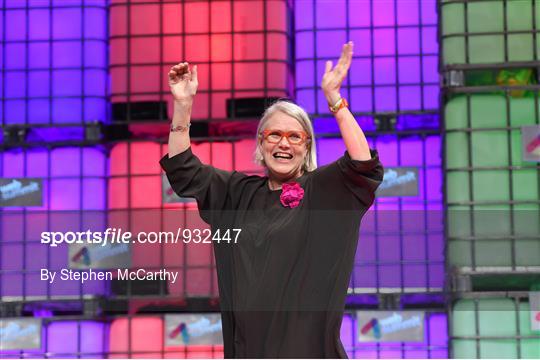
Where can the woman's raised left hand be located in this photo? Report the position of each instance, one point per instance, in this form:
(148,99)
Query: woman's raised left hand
(333,77)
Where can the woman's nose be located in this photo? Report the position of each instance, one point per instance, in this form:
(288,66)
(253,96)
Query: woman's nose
(284,142)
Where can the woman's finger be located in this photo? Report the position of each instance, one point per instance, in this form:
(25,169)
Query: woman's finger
(344,61)
(328,67)
(346,52)
(179,68)
(194,76)
(343,56)
(349,54)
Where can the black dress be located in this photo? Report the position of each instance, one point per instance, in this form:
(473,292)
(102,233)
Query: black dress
(283,284)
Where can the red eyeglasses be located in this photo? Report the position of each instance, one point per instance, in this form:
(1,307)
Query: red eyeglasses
(294,137)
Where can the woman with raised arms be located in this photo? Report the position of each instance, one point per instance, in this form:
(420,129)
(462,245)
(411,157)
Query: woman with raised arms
(283,284)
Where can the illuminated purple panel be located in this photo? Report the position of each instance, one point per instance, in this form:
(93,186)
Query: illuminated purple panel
(385,97)
(55,62)
(400,63)
(85,337)
(409,97)
(383,13)
(434,345)
(306,99)
(70,170)
(329,43)
(22,251)
(429,40)
(362,100)
(429,12)
(362,13)
(322,9)
(39,20)
(348,334)
(304,74)
(73,180)
(407,13)
(304,17)
(384,42)
(383,249)
(408,67)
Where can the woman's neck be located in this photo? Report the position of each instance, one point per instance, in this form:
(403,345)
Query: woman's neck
(275,182)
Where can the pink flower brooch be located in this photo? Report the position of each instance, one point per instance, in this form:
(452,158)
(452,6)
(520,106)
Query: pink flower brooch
(291,194)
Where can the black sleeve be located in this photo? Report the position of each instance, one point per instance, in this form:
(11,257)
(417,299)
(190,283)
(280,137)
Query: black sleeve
(337,181)
(191,178)
(362,177)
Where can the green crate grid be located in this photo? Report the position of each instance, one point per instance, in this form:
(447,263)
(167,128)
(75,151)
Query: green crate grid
(489,31)
(492,325)
(492,196)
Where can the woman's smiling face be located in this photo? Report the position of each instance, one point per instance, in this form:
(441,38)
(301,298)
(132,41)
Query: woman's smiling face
(283,158)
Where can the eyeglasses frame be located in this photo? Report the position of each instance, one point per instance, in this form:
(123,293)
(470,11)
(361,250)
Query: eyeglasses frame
(305,137)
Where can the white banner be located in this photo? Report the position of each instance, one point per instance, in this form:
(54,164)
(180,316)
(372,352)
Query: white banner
(193,329)
(168,196)
(390,326)
(21,192)
(20,334)
(399,181)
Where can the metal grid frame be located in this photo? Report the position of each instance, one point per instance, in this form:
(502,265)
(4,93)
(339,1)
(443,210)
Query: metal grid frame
(453,76)
(469,282)
(505,32)
(517,299)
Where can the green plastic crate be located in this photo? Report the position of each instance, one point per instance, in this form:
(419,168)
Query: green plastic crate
(488,16)
(493,317)
(480,186)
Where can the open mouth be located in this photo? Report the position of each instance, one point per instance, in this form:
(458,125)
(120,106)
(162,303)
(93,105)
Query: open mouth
(282,156)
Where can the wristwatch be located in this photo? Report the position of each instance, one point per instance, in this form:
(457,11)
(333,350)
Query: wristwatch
(180,128)
(340,104)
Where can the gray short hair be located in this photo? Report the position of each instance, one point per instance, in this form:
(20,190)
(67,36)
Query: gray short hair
(296,112)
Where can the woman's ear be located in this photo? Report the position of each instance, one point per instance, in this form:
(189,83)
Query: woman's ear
(259,158)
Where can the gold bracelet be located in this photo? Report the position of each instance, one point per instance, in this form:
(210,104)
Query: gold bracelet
(340,104)
(180,128)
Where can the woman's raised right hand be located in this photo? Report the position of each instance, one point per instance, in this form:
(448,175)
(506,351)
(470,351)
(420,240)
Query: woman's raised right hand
(183,81)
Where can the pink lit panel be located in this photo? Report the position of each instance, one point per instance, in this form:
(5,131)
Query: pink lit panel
(244,157)
(144,212)
(249,63)
(137,338)
(136,174)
